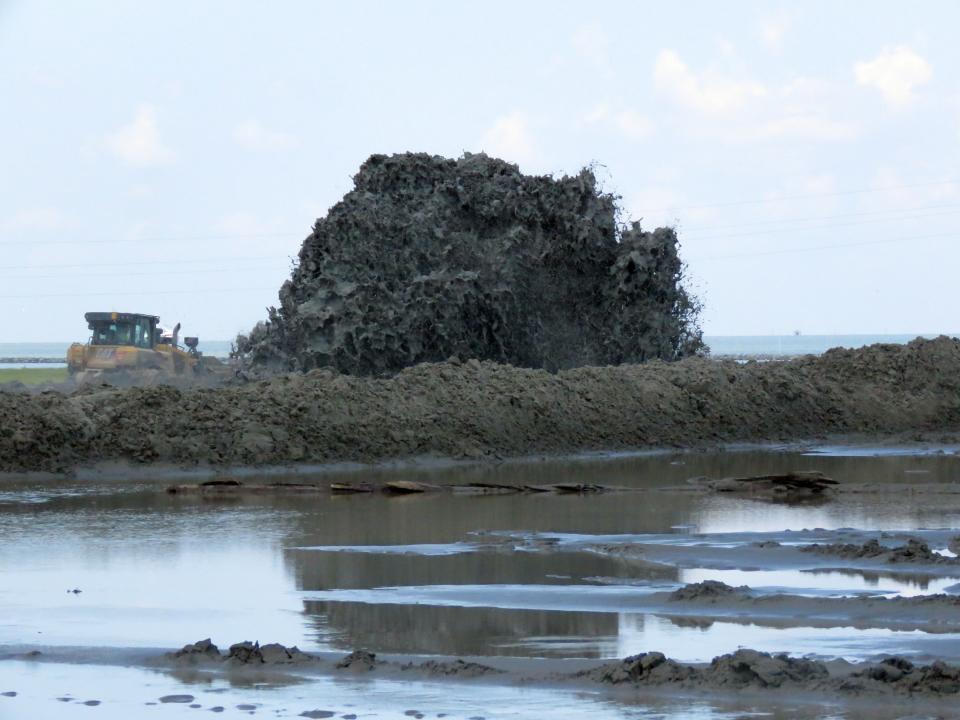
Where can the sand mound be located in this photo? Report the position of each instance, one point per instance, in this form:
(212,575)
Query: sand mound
(479,410)
(753,670)
(428,258)
(914,551)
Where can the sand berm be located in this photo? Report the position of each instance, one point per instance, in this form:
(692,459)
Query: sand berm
(481,409)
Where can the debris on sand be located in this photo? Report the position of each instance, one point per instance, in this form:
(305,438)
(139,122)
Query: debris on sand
(652,668)
(242,653)
(786,487)
(235,487)
(246,653)
(359,661)
(914,551)
(429,258)
(752,669)
(215,488)
(710,590)
(454,668)
(200,651)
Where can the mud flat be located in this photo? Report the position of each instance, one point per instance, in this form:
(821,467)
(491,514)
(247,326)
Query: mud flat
(484,410)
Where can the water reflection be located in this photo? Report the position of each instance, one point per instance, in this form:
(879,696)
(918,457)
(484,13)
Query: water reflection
(164,570)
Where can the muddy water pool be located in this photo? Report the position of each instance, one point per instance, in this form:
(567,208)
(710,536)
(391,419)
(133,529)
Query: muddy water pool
(445,574)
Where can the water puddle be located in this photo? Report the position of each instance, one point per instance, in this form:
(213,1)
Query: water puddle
(450,574)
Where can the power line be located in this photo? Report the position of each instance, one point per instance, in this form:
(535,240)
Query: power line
(805,197)
(786,251)
(192,291)
(827,226)
(814,218)
(168,239)
(217,261)
(119,277)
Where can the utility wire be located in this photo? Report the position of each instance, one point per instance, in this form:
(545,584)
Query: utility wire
(815,218)
(191,291)
(804,197)
(217,261)
(167,239)
(807,228)
(786,251)
(120,277)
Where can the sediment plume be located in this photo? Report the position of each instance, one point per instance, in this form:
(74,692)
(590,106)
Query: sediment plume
(429,257)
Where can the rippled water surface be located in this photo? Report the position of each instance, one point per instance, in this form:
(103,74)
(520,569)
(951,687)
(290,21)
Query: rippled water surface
(440,573)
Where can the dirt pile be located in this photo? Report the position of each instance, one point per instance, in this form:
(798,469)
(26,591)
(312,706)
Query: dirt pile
(788,487)
(484,410)
(429,258)
(358,661)
(753,670)
(242,653)
(709,590)
(914,551)
(454,668)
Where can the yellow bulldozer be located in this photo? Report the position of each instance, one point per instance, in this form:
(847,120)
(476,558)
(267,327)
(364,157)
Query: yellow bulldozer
(133,348)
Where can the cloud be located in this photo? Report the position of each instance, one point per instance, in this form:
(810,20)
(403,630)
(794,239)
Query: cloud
(895,72)
(707,93)
(773,28)
(138,143)
(254,136)
(633,125)
(509,138)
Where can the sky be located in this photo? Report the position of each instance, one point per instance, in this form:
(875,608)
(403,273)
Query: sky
(169,158)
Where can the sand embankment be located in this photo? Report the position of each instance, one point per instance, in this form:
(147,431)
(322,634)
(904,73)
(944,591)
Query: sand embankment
(476,410)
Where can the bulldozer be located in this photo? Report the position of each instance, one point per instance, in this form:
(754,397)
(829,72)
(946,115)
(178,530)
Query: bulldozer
(133,348)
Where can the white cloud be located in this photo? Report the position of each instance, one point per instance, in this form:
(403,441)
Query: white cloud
(509,138)
(41,219)
(138,143)
(895,72)
(707,92)
(633,125)
(773,28)
(254,136)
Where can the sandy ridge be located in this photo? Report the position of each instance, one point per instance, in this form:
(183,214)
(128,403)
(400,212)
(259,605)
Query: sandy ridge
(484,410)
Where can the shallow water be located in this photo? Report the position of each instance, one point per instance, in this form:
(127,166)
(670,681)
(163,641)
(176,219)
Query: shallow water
(438,574)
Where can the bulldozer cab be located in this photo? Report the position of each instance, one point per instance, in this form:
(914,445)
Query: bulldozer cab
(124,329)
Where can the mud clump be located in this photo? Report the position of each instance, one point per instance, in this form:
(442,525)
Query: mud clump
(200,651)
(246,653)
(359,661)
(753,670)
(914,551)
(429,258)
(456,668)
(652,668)
(709,590)
(242,653)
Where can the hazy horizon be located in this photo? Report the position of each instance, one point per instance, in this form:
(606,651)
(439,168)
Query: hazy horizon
(170,159)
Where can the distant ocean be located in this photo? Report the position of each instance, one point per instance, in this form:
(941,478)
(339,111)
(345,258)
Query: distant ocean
(793,345)
(216,348)
(720,346)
